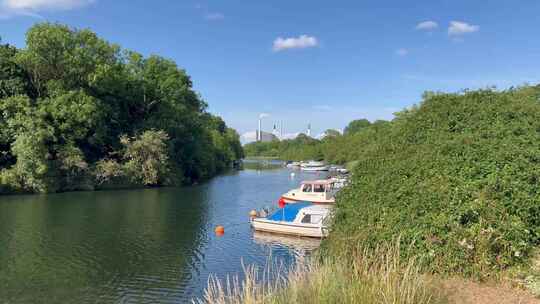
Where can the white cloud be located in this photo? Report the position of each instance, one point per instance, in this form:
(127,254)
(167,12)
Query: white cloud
(457,28)
(33,7)
(402,52)
(427,25)
(214,16)
(301,42)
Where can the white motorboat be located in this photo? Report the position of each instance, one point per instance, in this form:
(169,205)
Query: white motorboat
(318,192)
(301,219)
(314,166)
(294,165)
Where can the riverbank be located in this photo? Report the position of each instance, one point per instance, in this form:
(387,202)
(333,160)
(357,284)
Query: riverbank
(378,279)
(455,178)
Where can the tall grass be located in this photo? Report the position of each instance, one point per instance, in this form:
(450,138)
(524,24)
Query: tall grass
(378,276)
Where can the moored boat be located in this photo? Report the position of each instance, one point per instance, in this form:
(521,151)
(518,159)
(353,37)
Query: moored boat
(314,166)
(318,192)
(301,219)
(293,165)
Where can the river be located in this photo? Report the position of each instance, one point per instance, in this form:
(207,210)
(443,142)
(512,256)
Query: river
(139,246)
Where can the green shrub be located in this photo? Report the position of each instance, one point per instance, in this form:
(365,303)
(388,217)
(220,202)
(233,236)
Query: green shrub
(457,177)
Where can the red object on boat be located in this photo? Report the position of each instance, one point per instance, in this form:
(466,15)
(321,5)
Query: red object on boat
(281,203)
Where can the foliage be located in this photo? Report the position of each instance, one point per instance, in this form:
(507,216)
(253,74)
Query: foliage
(68,98)
(356,125)
(300,148)
(146,157)
(457,177)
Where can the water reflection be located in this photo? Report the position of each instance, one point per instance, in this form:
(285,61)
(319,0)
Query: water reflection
(259,165)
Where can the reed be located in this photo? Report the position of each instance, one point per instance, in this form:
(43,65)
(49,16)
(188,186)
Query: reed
(373,276)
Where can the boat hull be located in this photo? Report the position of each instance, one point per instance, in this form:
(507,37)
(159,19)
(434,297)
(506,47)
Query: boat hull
(290,200)
(287,228)
(315,169)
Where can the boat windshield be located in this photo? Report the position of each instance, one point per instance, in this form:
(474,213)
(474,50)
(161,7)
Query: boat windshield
(307,188)
(318,188)
(289,212)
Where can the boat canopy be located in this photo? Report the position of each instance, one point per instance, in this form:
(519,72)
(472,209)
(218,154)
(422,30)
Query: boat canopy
(319,182)
(289,212)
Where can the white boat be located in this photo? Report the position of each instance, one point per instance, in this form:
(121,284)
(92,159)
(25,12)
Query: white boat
(314,166)
(340,182)
(302,219)
(318,191)
(293,165)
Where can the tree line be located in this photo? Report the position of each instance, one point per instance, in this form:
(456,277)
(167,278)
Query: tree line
(78,112)
(334,147)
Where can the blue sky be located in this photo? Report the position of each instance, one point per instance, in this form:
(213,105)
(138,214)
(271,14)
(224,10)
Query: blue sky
(324,62)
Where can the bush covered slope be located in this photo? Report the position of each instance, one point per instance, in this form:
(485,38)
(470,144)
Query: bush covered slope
(456,177)
(77,111)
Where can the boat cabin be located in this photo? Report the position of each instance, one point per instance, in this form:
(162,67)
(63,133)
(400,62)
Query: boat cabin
(324,189)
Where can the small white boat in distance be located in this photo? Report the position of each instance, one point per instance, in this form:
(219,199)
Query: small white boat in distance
(293,165)
(302,219)
(318,192)
(314,166)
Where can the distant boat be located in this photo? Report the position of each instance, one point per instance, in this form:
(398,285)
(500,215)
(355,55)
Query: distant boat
(301,219)
(293,165)
(314,166)
(318,191)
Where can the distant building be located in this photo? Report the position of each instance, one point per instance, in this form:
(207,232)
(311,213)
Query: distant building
(275,132)
(252,136)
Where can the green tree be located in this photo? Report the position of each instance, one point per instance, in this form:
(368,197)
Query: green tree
(146,156)
(75,94)
(356,125)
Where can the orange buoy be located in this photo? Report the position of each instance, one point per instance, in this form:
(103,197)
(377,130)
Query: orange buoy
(220,230)
(253,213)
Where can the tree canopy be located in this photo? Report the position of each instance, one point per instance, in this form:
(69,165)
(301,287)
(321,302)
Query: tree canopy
(71,100)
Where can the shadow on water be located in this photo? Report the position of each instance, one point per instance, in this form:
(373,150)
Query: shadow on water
(136,246)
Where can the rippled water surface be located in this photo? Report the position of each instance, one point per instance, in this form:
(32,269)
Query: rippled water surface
(138,246)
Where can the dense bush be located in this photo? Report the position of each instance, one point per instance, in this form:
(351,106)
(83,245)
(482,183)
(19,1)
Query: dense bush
(457,177)
(69,98)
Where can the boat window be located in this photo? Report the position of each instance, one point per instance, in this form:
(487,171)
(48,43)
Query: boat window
(307,188)
(307,219)
(319,188)
(315,219)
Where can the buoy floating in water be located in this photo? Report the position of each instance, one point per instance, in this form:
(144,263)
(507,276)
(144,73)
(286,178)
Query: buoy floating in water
(220,230)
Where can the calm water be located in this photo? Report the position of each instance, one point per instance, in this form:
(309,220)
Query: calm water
(138,246)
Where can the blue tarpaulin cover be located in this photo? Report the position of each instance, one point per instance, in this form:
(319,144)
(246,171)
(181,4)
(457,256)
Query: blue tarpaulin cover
(289,212)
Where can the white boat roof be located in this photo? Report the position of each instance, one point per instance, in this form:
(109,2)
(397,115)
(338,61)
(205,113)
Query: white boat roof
(319,182)
(316,209)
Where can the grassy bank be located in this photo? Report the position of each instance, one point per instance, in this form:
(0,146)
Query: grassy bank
(378,276)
